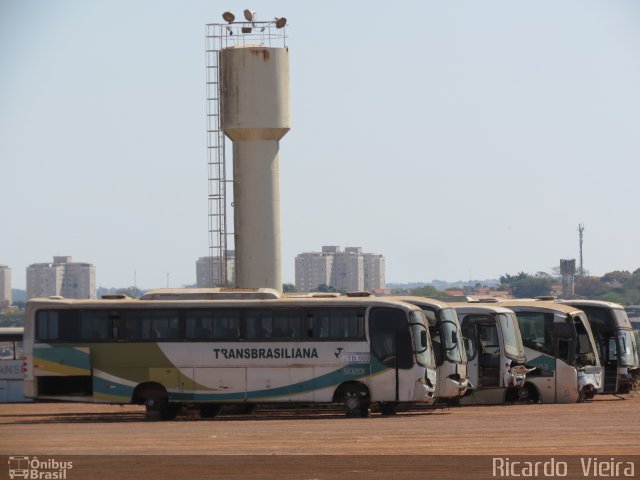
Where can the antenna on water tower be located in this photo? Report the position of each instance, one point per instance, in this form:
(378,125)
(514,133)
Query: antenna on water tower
(580,233)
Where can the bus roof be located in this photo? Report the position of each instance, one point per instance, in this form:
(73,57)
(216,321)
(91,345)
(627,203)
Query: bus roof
(180,301)
(592,303)
(540,305)
(465,307)
(210,294)
(431,302)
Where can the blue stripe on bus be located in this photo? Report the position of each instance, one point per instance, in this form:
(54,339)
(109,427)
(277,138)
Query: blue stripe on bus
(543,362)
(349,372)
(64,355)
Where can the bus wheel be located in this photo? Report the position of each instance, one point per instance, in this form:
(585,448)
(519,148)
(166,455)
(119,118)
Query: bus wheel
(209,411)
(356,401)
(528,393)
(170,411)
(161,409)
(388,408)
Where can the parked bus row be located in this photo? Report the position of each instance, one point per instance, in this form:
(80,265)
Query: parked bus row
(205,348)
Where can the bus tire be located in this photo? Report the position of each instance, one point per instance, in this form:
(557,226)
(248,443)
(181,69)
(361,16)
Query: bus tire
(169,411)
(388,408)
(356,401)
(528,393)
(209,410)
(156,401)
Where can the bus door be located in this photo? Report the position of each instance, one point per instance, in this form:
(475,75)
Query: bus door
(484,353)
(609,359)
(488,355)
(566,374)
(391,353)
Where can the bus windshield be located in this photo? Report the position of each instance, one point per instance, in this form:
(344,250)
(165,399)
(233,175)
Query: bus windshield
(628,353)
(421,343)
(452,336)
(511,336)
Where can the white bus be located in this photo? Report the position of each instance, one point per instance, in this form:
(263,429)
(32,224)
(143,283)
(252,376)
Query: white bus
(615,341)
(559,343)
(206,353)
(448,346)
(11,368)
(495,352)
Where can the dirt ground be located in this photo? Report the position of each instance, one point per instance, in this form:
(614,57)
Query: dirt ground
(605,427)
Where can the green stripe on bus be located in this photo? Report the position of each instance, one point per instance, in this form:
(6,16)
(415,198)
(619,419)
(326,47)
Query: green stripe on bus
(64,355)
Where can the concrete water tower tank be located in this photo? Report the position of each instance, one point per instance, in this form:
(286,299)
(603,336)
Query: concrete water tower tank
(255,116)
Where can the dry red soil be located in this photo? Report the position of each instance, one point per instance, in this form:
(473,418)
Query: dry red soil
(604,427)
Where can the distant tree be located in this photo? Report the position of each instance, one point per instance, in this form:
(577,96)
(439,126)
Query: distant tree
(590,287)
(612,296)
(400,291)
(133,292)
(543,275)
(617,276)
(531,287)
(328,289)
(507,279)
(634,280)
(289,288)
(425,291)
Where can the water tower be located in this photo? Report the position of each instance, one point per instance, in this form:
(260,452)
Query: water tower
(568,273)
(254,113)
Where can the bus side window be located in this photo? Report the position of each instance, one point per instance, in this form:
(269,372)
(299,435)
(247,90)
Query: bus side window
(321,319)
(344,323)
(165,324)
(259,324)
(47,327)
(130,325)
(286,323)
(226,324)
(93,325)
(469,332)
(199,325)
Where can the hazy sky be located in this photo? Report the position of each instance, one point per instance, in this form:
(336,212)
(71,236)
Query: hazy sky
(458,138)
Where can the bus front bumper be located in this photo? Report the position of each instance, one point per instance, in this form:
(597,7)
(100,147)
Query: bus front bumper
(424,392)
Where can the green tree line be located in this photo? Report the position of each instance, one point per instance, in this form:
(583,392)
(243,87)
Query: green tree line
(619,286)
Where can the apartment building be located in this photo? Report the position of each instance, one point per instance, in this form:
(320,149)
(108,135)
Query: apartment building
(208,270)
(61,277)
(350,269)
(313,269)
